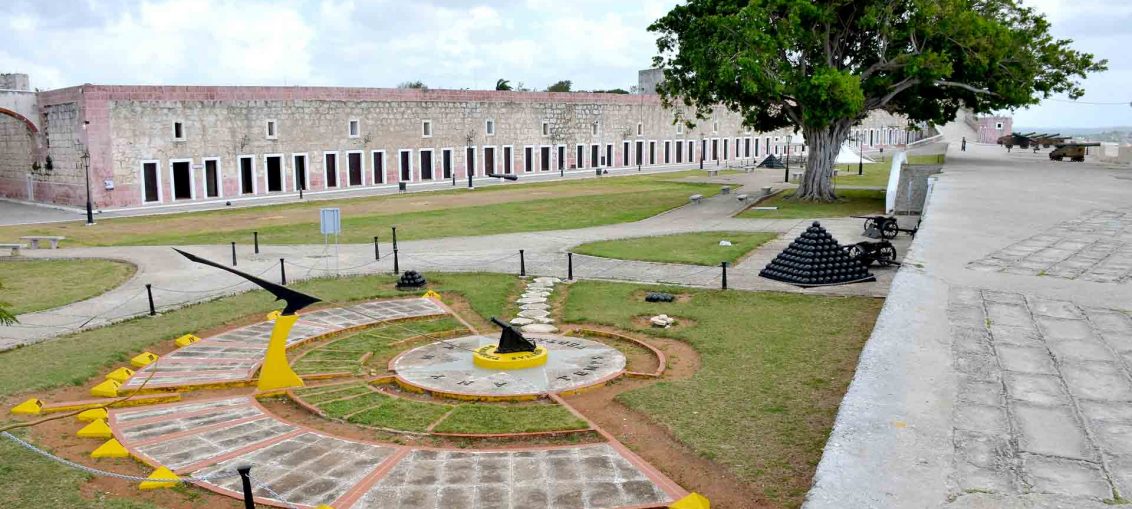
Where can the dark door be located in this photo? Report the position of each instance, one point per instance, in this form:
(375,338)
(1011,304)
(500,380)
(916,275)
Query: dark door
(470,158)
(625,154)
(489,159)
(746,147)
(714,150)
(447,163)
(354,165)
(507,160)
(149,176)
(725,140)
(579,155)
(640,152)
(679,152)
(331,170)
(528,159)
(247,175)
(426,165)
(594,157)
(379,167)
(667,152)
(544,159)
(652,152)
(182,181)
(406,170)
(301,172)
(274,174)
(609,155)
(211,179)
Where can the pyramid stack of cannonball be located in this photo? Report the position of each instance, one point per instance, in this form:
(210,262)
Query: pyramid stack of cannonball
(411,279)
(816,259)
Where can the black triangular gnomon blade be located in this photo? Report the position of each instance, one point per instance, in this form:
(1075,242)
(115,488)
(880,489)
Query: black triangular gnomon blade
(295,300)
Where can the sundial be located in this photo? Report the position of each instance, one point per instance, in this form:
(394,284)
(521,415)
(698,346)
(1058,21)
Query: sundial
(557,364)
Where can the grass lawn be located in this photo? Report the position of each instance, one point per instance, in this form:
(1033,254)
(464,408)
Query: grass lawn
(401,414)
(342,355)
(774,369)
(502,418)
(876,174)
(488,210)
(700,248)
(850,202)
(34,285)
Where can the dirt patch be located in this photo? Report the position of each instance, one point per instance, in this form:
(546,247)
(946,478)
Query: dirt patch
(653,442)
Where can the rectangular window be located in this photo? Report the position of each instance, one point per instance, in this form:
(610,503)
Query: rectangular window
(489,127)
(640,152)
(640,129)
(679,152)
(331,168)
(426,164)
(715,149)
(405,166)
(273,165)
(354,129)
(300,165)
(354,170)
(561,157)
(426,128)
(746,147)
(679,127)
(489,159)
(182,179)
(594,130)
(528,159)
(692,151)
(715,127)
(178,131)
(546,128)
(667,152)
(595,160)
(247,175)
(544,158)
(579,156)
(151,182)
(446,163)
(725,147)
(652,152)
(378,157)
(624,153)
(507,160)
(212,178)
(270,129)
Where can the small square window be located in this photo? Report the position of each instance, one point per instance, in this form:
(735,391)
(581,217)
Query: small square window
(489,127)
(426,128)
(546,128)
(715,126)
(594,131)
(679,128)
(354,129)
(270,130)
(640,129)
(178,131)
(998,126)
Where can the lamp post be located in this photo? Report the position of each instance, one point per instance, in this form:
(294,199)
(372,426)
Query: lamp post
(860,157)
(702,147)
(86,172)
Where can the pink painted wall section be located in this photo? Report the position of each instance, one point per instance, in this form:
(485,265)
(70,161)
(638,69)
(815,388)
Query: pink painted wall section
(207,93)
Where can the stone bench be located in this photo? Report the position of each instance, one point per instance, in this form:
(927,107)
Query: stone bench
(796,175)
(696,198)
(15,248)
(33,240)
(742,197)
(725,190)
(713,173)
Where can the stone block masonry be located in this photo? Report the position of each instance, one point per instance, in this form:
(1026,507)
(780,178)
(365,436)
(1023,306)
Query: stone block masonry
(156,145)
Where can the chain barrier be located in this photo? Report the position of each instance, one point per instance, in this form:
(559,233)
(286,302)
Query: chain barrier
(221,288)
(82,321)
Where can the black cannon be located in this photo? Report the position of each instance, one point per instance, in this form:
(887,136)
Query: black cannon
(881,252)
(884,227)
(512,341)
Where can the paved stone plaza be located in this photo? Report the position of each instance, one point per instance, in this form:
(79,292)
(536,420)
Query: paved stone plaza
(446,367)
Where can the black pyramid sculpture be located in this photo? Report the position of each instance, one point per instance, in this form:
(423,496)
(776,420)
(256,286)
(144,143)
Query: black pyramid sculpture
(816,259)
(772,162)
(411,279)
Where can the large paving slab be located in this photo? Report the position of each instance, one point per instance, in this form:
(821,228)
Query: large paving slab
(997,373)
(235,355)
(292,465)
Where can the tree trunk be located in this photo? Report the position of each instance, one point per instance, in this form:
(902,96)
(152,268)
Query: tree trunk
(824,143)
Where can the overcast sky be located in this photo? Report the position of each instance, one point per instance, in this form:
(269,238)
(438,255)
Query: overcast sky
(598,44)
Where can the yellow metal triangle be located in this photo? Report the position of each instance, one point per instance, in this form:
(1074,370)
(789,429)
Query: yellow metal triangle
(185,340)
(120,374)
(160,478)
(92,415)
(111,449)
(274,314)
(96,429)
(692,501)
(30,407)
(143,359)
(431,295)
(106,389)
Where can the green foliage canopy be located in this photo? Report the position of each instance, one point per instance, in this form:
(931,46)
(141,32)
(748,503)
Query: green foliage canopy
(561,86)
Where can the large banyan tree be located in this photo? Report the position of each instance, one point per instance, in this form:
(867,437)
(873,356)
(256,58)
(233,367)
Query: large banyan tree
(821,66)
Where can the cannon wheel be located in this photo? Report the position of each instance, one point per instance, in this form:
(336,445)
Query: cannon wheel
(889,229)
(855,252)
(870,223)
(1079,159)
(886,255)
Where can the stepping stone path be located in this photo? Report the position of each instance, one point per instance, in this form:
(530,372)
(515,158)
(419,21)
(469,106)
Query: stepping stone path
(534,314)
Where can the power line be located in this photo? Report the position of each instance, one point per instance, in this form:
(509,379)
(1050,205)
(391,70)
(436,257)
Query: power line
(1096,103)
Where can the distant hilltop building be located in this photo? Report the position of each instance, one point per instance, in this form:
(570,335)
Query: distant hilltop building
(991,128)
(152,146)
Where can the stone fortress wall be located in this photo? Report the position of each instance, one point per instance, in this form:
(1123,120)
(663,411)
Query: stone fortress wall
(158,145)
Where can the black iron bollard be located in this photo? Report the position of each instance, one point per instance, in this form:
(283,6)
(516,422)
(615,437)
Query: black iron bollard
(724,266)
(149,290)
(246,479)
(394,238)
(233,254)
(255,240)
(522,264)
(376,250)
(570,266)
(282,272)
(396,263)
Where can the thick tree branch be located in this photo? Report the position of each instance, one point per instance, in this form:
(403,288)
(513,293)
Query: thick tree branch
(964,86)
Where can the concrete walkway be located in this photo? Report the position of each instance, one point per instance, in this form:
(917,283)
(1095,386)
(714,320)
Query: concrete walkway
(999,373)
(177,282)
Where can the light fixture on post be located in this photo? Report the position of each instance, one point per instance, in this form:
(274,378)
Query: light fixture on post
(86,172)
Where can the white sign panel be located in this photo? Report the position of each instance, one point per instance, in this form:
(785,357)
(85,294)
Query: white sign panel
(330,221)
